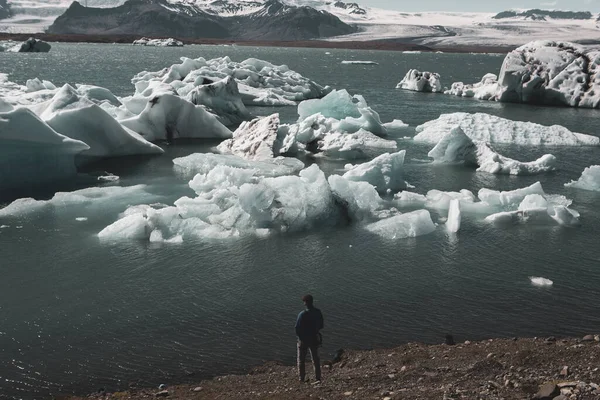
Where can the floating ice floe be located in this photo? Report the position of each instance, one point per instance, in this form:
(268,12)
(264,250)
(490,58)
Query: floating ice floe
(358,62)
(259,82)
(458,147)
(412,224)
(93,197)
(385,172)
(418,81)
(202,163)
(529,204)
(491,129)
(170,42)
(32,153)
(485,89)
(255,140)
(539,281)
(589,180)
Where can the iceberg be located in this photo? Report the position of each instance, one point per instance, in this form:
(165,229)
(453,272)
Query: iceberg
(79,118)
(260,83)
(413,224)
(170,42)
(418,81)
(221,98)
(384,172)
(454,216)
(257,140)
(491,129)
(511,198)
(351,146)
(456,146)
(589,180)
(167,117)
(359,198)
(202,163)
(32,153)
(485,89)
(232,202)
(550,72)
(31,45)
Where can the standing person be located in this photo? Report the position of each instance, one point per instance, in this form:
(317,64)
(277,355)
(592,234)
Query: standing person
(308,325)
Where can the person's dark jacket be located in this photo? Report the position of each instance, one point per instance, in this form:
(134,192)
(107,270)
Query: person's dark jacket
(308,325)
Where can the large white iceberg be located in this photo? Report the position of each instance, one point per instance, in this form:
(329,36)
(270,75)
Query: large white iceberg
(418,81)
(231,202)
(255,140)
(589,180)
(458,147)
(78,117)
(259,82)
(32,153)
(549,72)
(491,129)
(542,72)
(385,172)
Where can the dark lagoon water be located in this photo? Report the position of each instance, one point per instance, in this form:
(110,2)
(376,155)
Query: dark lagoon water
(78,314)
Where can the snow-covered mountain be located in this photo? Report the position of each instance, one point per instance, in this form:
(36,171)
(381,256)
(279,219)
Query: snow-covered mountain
(507,28)
(271,20)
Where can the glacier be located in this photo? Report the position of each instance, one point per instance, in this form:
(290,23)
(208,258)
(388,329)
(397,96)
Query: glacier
(491,129)
(589,180)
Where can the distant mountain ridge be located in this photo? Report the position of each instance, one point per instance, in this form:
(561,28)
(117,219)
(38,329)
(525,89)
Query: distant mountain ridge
(268,20)
(537,14)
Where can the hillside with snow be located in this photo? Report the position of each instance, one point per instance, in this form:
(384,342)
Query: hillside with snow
(506,28)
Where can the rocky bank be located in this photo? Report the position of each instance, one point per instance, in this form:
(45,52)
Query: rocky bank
(538,368)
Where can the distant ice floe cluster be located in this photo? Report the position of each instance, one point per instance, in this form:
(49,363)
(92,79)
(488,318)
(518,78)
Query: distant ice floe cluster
(170,42)
(539,72)
(31,45)
(259,184)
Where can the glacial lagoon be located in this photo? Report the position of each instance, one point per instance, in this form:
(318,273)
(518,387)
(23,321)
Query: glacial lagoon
(78,314)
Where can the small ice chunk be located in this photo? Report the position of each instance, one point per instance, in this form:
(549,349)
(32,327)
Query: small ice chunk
(539,281)
(418,81)
(81,219)
(589,180)
(454,216)
(108,178)
(358,62)
(509,198)
(4,226)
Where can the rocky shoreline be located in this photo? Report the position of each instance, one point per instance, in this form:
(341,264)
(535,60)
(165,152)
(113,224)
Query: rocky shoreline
(535,368)
(390,45)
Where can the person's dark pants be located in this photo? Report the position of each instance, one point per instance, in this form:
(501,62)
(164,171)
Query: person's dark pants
(303,348)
